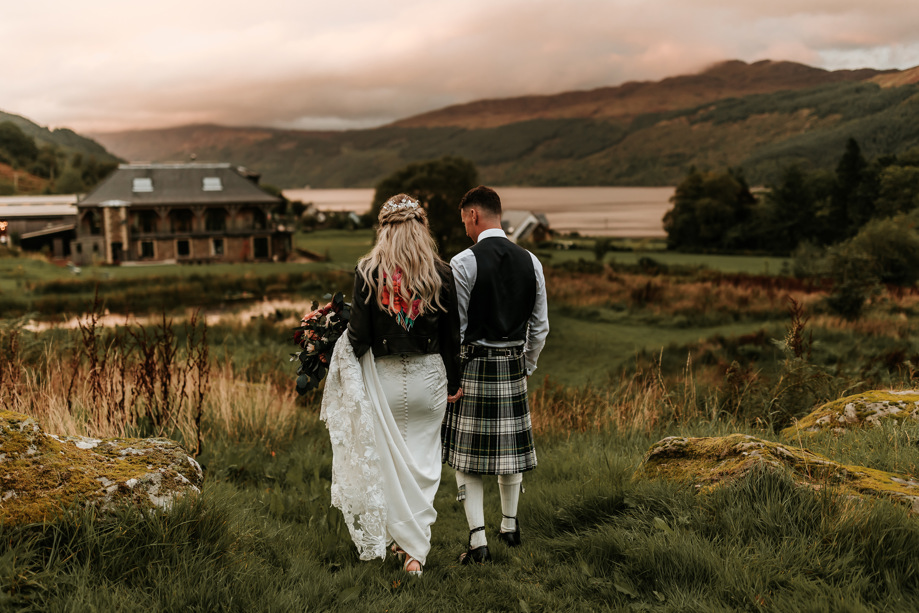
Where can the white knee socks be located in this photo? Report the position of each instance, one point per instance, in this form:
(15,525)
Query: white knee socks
(474,502)
(472,493)
(509,486)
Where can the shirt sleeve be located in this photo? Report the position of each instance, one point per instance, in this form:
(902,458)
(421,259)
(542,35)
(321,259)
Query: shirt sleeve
(464,273)
(538,325)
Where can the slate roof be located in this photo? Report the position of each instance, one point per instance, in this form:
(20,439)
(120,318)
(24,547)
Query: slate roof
(178,184)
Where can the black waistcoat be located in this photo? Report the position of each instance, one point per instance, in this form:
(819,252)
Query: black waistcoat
(502,299)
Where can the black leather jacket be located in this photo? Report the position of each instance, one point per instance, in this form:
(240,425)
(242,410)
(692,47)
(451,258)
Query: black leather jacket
(434,332)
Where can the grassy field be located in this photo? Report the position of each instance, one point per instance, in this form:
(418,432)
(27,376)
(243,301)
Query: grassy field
(638,251)
(262,537)
(631,357)
(580,352)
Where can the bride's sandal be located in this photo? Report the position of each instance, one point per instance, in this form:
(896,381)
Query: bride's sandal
(398,552)
(410,561)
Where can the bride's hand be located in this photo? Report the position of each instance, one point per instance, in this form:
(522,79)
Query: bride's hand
(456,396)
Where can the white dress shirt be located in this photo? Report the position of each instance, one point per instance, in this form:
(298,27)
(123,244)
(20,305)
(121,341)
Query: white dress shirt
(465,272)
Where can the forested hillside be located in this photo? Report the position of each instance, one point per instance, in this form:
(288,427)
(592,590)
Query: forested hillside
(36,160)
(654,136)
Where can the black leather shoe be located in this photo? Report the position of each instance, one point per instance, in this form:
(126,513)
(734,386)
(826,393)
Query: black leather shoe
(479,555)
(511,539)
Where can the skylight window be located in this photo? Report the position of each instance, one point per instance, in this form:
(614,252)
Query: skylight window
(143,184)
(212,184)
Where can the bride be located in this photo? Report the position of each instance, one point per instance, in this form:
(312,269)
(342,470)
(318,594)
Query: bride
(389,382)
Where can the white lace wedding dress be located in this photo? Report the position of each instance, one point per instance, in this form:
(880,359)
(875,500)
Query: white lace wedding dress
(384,417)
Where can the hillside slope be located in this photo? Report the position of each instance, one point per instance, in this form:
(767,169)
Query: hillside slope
(65,138)
(730,79)
(760,117)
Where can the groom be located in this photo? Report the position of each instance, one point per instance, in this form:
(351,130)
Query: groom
(501,291)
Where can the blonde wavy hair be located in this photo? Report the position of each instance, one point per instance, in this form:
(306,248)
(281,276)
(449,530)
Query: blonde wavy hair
(404,242)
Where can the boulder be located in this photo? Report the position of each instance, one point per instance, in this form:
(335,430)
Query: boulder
(42,475)
(865,409)
(709,462)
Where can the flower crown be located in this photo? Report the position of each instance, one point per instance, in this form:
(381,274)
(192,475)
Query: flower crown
(406,203)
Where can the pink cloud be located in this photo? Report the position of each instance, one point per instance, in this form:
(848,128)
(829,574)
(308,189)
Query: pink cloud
(106,64)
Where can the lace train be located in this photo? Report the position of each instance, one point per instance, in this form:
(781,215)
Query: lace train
(357,481)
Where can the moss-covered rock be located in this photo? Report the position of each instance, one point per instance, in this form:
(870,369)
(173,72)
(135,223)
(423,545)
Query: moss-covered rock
(43,474)
(713,461)
(865,409)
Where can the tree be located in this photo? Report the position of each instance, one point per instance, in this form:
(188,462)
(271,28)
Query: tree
(708,209)
(439,185)
(854,280)
(792,210)
(70,182)
(15,145)
(892,246)
(853,197)
(47,164)
(898,191)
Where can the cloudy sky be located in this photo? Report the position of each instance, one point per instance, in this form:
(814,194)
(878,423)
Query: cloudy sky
(101,65)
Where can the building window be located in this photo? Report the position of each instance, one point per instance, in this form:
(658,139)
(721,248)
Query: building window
(217,246)
(215,220)
(80,248)
(91,223)
(146,250)
(149,220)
(180,221)
(260,247)
(142,184)
(212,184)
(183,249)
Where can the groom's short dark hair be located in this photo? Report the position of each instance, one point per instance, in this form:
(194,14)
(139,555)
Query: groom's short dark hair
(485,197)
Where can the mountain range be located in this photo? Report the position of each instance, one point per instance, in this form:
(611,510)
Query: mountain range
(760,117)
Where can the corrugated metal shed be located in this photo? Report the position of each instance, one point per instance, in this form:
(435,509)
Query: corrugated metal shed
(58,199)
(178,184)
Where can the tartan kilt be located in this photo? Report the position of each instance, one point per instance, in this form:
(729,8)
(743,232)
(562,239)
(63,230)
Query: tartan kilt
(488,431)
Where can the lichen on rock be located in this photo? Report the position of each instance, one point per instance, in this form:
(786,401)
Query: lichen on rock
(709,462)
(864,409)
(42,474)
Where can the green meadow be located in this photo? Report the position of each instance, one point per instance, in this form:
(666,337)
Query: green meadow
(692,346)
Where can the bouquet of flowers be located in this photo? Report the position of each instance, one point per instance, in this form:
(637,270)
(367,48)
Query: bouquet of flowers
(316,336)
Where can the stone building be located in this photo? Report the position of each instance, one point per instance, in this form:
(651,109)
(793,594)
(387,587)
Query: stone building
(181,213)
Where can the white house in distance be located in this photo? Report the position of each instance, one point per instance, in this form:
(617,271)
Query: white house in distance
(525,226)
(194,212)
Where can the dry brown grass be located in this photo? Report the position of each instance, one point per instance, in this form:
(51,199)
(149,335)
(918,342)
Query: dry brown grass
(754,297)
(642,402)
(141,381)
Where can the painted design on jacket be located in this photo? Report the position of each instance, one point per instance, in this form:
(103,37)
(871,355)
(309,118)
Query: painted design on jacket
(405,314)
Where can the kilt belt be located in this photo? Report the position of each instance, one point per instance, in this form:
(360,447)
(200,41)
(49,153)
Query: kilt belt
(488,431)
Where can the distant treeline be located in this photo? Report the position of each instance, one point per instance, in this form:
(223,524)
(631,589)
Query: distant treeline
(63,173)
(716,211)
(856,225)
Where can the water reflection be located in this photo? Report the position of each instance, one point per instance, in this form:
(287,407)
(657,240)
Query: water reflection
(596,211)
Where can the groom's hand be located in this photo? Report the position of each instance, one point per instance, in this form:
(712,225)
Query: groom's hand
(456,396)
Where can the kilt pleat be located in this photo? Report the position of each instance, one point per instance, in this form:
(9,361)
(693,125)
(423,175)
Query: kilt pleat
(488,431)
